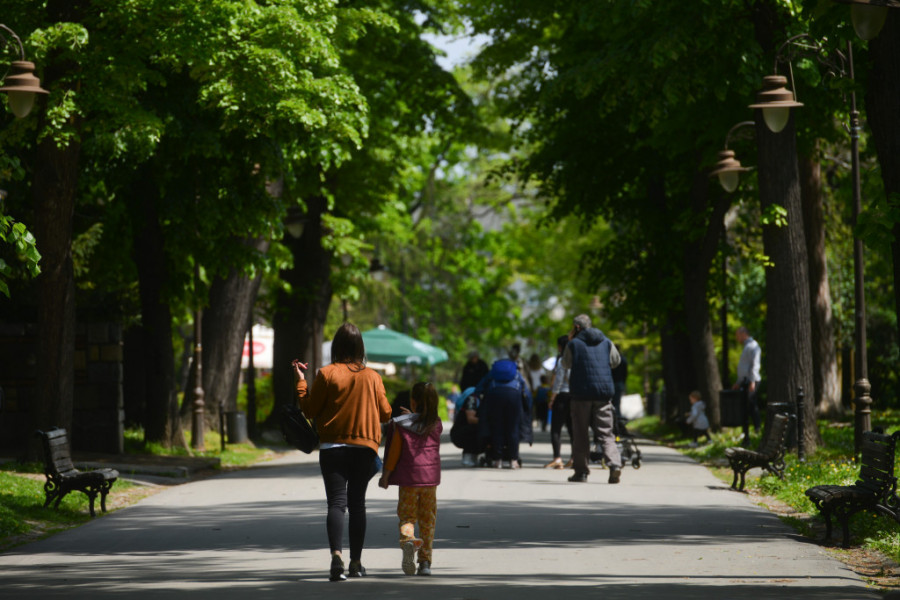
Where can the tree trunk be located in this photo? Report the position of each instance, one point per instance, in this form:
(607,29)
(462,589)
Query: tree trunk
(223,331)
(55,183)
(300,315)
(698,258)
(678,372)
(55,180)
(161,421)
(789,355)
(883,112)
(826,392)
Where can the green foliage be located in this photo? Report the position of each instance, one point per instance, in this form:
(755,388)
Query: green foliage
(24,247)
(265,398)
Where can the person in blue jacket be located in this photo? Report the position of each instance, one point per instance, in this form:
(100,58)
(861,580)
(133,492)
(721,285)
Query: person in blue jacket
(506,406)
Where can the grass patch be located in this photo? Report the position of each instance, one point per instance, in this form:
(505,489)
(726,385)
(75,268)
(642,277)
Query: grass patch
(832,463)
(23,517)
(234,455)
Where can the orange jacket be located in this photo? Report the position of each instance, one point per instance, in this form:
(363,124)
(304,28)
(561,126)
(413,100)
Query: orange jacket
(348,406)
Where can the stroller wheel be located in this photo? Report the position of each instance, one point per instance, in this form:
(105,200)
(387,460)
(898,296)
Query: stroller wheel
(636,462)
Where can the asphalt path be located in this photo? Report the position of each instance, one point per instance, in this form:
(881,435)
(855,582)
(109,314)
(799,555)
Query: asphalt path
(669,530)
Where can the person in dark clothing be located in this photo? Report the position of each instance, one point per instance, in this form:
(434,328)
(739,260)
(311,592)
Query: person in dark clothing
(619,375)
(465,433)
(473,371)
(559,406)
(506,402)
(590,357)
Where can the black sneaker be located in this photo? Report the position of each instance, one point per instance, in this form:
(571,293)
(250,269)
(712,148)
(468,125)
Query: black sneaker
(615,473)
(356,569)
(424,568)
(337,569)
(578,478)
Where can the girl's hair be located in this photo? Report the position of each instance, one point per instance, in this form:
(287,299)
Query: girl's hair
(426,398)
(347,346)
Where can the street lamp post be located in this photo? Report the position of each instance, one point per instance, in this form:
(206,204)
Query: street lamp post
(197,425)
(20,82)
(842,67)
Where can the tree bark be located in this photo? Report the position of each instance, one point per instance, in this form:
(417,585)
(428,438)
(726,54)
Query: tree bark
(698,257)
(678,371)
(55,180)
(162,423)
(789,353)
(883,113)
(55,183)
(826,392)
(300,316)
(224,329)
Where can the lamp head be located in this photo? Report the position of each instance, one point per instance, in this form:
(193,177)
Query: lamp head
(776,102)
(21,85)
(868,16)
(729,170)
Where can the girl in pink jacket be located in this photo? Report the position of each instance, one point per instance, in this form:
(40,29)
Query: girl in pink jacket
(412,461)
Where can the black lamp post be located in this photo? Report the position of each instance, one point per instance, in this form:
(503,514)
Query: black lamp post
(197,424)
(842,67)
(20,83)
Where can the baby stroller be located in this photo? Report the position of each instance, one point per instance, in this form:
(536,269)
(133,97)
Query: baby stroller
(625,442)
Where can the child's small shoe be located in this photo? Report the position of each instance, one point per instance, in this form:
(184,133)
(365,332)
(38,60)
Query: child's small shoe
(424,568)
(409,557)
(337,569)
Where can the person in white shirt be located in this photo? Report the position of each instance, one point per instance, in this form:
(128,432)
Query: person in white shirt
(748,372)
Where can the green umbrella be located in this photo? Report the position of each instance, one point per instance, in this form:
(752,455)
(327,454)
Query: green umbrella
(387,345)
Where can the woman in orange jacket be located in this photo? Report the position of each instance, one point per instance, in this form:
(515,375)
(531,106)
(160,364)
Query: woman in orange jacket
(348,403)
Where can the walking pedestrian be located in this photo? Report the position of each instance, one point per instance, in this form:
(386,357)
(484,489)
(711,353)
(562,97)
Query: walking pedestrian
(590,357)
(559,405)
(412,461)
(348,403)
(748,376)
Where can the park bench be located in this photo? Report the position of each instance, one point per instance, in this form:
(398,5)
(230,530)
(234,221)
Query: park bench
(770,455)
(875,489)
(63,477)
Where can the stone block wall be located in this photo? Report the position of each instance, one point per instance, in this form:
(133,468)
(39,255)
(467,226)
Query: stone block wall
(98,418)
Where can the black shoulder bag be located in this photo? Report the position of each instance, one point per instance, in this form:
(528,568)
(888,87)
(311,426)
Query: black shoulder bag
(297,430)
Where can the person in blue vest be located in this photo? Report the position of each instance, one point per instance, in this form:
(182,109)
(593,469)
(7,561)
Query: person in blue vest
(590,357)
(506,405)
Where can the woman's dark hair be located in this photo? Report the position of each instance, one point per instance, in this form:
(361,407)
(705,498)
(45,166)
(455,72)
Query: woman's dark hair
(347,346)
(426,399)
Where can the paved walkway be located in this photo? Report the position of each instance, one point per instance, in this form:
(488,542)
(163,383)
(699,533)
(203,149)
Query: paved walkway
(669,530)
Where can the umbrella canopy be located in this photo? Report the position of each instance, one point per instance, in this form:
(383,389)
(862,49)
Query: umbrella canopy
(387,345)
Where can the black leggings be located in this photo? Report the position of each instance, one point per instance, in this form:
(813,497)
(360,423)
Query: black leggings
(559,417)
(346,472)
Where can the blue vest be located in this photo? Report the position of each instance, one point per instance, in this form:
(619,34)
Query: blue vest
(591,375)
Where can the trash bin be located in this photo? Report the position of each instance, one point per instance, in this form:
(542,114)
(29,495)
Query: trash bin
(732,409)
(785,408)
(236,424)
